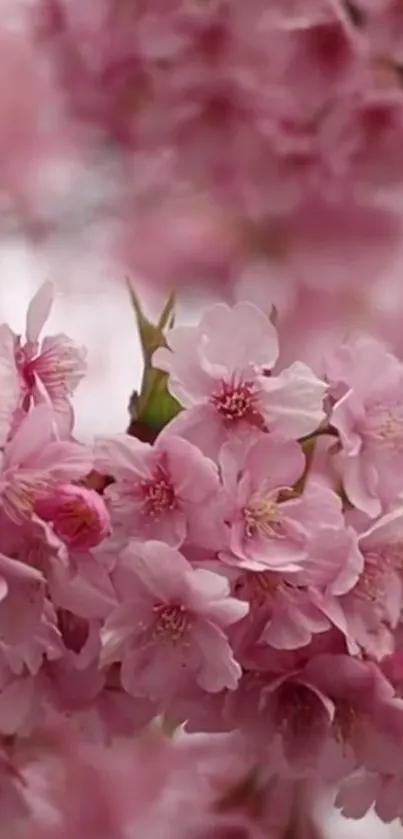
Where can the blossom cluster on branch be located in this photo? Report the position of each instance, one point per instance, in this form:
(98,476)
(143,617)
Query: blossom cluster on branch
(237,580)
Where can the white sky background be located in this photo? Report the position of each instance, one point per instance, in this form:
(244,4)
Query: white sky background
(104,323)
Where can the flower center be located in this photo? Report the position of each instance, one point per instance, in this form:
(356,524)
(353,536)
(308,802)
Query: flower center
(76,517)
(24,366)
(296,710)
(384,427)
(370,585)
(171,623)
(237,401)
(344,722)
(392,555)
(261,516)
(258,587)
(379,564)
(158,494)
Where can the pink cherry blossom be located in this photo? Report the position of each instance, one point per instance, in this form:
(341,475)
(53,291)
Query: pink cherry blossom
(373,606)
(34,460)
(220,371)
(368,720)
(300,717)
(80,583)
(366,381)
(284,613)
(266,529)
(170,626)
(50,369)
(289,608)
(167,491)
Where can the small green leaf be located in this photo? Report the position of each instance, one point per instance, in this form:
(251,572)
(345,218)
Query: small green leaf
(153,406)
(151,335)
(167,317)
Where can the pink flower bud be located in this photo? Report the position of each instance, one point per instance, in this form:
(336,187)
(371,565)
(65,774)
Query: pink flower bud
(79,515)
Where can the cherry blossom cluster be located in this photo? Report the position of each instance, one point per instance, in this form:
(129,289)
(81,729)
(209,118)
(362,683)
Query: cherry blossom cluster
(238,580)
(260,144)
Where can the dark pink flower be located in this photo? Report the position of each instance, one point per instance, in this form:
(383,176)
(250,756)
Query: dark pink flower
(79,516)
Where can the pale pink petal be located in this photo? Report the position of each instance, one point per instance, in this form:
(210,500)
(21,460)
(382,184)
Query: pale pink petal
(195,478)
(34,434)
(169,527)
(356,485)
(21,609)
(347,415)
(387,529)
(16,705)
(189,383)
(357,795)
(61,365)
(234,338)
(294,401)
(116,635)
(201,426)
(64,461)
(208,595)
(39,311)
(89,595)
(274,463)
(9,383)
(154,672)
(159,568)
(217,669)
(122,456)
